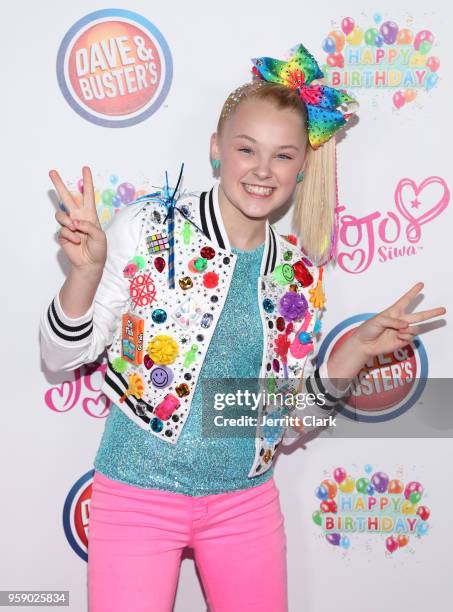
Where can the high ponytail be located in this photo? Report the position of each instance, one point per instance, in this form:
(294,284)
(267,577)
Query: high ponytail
(315,200)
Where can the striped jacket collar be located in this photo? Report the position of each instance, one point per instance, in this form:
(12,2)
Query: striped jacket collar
(213,227)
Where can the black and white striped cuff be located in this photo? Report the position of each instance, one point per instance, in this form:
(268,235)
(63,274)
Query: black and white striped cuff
(320,383)
(68,329)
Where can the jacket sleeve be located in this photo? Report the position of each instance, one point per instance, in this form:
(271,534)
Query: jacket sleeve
(67,343)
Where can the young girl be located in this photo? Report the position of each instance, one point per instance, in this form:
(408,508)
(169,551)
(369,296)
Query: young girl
(203,287)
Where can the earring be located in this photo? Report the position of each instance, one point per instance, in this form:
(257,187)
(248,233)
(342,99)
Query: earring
(215,164)
(300,176)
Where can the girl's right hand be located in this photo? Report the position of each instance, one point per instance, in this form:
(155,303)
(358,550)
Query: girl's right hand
(81,236)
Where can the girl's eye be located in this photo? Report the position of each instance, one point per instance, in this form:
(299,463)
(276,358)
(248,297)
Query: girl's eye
(246,149)
(284,156)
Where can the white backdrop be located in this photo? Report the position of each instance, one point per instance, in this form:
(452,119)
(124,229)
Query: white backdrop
(45,451)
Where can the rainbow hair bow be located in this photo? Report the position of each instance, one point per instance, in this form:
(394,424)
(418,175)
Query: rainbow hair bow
(321,101)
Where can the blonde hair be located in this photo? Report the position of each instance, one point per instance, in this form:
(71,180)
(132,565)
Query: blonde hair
(315,196)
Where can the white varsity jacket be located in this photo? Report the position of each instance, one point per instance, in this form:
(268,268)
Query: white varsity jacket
(157,337)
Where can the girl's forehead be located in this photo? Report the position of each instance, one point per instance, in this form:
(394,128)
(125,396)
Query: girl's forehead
(253,114)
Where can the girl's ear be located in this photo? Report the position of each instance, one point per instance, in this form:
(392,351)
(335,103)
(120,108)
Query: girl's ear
(214,146)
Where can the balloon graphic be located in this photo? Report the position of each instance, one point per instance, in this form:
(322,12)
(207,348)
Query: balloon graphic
(425,47)
(113,179)
(328,45)
(335,59)
(332,506)
(395,486)
(347,25)
(398,99)
(126,192)
(423,36)
(339,39)
(116,201)
(107,196)
(389,32)
(423,512)
(391,544)
(410,95)
(97,196)
(368,468)
(404,37)
(380,481)
(348,485)
(431,80)
(422,529)
(345,543)
(370,36)
(377,17)
(370,489)
(362,484)
(355,37)
(411,487)
(415,497)
(433,63)
(317,517)
(407,508)
(80,185)
(331,488)
(321,492)
(329,506)
(339,474)
(333,538)
(379,41)
(402,540)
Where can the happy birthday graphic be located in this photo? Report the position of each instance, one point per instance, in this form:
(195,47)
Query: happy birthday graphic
(381,55)
(373,504)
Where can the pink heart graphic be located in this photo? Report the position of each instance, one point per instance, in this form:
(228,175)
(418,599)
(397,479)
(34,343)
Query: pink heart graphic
(417,207)
(352,257)
(100,406)
(57,398)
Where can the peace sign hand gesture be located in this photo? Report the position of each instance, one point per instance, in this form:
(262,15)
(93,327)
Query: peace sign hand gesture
(81,235)
(392,328)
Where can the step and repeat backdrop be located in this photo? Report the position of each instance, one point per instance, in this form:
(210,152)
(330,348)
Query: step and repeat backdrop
(133,90)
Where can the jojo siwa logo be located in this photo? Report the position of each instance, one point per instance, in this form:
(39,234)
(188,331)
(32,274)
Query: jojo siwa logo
(76,514)
(381,55)
(114,68)
(361,238)
(371,504)
(84,390)
(387,385)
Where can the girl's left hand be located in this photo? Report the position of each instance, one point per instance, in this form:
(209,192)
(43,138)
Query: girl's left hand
(391,329)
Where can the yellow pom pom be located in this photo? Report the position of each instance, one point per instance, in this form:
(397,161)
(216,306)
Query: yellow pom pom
(163,349)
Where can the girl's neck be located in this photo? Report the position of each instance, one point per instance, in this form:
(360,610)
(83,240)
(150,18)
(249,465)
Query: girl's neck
(244,233)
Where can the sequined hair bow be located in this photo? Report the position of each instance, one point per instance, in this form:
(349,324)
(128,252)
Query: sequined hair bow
(328,108)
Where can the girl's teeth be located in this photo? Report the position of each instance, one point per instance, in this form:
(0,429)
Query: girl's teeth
(258,190)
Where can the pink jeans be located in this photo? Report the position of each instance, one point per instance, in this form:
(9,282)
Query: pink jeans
(137,536)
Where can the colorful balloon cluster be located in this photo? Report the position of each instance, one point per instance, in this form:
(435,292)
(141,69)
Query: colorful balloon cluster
(379,483)
(386,33)
(110,200)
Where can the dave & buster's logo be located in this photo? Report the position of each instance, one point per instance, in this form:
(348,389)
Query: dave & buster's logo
(387,385)
(114,68)
(76,514)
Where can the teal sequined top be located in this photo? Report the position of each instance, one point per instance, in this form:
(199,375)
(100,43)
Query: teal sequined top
(197,464)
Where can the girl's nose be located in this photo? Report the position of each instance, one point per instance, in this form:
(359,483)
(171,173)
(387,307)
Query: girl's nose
(263,170)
